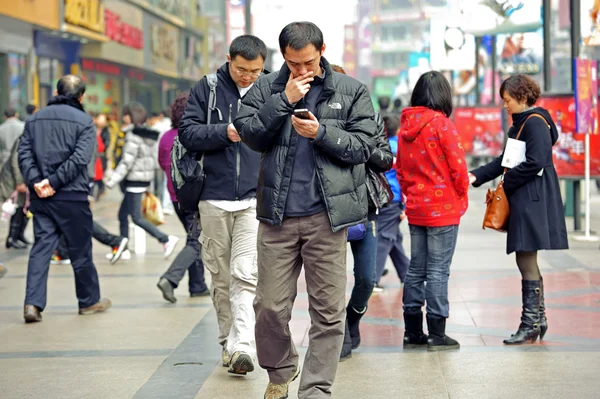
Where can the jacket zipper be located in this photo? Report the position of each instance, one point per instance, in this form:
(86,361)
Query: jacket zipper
(237,155)
(322,190)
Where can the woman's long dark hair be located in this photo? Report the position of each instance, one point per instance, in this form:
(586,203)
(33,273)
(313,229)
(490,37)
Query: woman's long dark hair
(433,91)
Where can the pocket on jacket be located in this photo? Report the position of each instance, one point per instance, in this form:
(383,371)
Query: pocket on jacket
(534,190)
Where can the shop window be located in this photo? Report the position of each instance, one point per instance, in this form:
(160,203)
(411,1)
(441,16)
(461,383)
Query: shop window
(17,82)
(560,47)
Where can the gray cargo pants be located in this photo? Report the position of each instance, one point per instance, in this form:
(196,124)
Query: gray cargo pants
(281,252)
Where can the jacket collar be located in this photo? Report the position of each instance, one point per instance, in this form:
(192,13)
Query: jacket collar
(60,99)
(145,132)
(328,83)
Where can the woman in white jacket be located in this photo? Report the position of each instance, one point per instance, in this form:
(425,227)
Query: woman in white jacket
(136,169)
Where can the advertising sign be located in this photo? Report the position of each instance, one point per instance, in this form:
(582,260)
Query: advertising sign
(350,55)
(418,64)
(569,151)
(520,53)
(590,22)
(88,14)
(489,17)
(161,46)
(586,94)
(451,48)
(480,130)
(39,12)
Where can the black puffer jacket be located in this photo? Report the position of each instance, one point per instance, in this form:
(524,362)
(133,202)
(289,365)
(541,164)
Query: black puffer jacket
(381,161)
(346,112)
(58,144)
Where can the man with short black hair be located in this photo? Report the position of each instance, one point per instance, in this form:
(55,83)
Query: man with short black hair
(30,109)
(311,188)
(228,200)
(54,153)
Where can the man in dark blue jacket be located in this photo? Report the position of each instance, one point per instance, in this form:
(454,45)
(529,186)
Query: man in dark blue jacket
(228,201)
(54,153)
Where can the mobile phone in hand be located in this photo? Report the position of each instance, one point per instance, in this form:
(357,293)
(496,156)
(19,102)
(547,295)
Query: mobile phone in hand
(301,113)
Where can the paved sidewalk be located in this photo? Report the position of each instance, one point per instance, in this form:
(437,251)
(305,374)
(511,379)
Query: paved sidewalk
(146,348)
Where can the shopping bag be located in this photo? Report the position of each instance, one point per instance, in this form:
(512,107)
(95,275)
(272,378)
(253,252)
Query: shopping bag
(152,209)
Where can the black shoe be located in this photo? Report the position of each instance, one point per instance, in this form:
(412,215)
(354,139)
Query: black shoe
(543,319)
(414,337)
(529,329)
(347,345)
(24,240)
(438,340)
(14,243)
(353,322)
(206,292)
(167,290)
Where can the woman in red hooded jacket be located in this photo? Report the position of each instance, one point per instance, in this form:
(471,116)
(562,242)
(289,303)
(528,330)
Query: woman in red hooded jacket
(433,174)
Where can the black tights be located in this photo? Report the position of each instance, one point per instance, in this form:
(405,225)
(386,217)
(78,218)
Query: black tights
(528,266)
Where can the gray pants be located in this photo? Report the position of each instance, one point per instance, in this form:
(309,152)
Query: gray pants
(281,252)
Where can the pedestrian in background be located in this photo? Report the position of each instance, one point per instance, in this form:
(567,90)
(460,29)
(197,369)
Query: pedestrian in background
(55,150)
(433,175)
(190,257)
(364,251)
(10,132)
(311,187)
(136,169)
(537,219)
(389,236)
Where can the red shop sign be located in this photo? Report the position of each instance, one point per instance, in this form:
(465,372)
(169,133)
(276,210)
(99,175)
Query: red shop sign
(135,74)
(121,32)
(101,67)
(480,130)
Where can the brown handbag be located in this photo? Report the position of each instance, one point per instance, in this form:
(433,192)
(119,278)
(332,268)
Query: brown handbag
(498,210)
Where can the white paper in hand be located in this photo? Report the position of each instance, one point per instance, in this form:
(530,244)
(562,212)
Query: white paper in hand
(514,153)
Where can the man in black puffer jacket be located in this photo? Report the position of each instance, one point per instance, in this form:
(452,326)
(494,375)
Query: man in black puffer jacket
(311,187)
(54,153)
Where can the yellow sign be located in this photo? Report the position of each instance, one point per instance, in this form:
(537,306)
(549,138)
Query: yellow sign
(85,13)
(39,12)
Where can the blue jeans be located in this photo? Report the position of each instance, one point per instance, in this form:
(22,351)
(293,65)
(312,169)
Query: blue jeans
(132,206)
(364,252)
(389,241)
(431,249)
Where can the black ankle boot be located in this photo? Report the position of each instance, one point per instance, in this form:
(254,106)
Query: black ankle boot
(14,230)
(438,340)
(353,322)
(543,319)
(529,329)
(347,345)
(414,337)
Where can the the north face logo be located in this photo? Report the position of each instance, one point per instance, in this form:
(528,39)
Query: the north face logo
(335,105)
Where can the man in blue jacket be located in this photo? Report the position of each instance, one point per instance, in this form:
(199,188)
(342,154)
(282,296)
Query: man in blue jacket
(54,153)
(228,200)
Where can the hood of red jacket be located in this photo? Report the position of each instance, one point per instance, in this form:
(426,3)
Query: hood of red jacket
(414,119)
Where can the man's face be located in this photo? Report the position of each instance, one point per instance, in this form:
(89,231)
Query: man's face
(245,72)
(303,61)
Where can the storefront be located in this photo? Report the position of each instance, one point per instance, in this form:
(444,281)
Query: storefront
(17,61)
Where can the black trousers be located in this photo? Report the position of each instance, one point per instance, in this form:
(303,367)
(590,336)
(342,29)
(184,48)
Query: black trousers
(51,220)
(99,233)
(190,257)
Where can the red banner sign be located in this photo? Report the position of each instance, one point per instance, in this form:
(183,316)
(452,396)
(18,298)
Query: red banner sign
(121,32)
(480,130)
(569,151)
(101,67)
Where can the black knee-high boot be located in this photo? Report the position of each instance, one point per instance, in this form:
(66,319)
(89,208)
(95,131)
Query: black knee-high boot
(12,241)
(529,329)
(543,319)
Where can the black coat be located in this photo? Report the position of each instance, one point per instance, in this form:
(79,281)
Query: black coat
(231,169)
(536,218)
(346,112)
(58,144)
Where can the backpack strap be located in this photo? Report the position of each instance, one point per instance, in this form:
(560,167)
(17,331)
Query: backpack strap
(212,81)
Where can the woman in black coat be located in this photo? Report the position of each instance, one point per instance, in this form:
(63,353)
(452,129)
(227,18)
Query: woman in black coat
(536,220)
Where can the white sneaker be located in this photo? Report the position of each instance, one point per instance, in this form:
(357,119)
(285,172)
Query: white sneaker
(126,255)
(170,245)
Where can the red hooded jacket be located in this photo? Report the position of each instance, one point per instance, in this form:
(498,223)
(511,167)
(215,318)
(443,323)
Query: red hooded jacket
(431,168)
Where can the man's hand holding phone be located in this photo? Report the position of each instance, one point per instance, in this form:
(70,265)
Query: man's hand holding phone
(296,88)
(309,127)
(232,134)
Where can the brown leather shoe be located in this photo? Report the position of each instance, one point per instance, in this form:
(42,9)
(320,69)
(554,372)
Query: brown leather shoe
(32,314)
(102,305)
